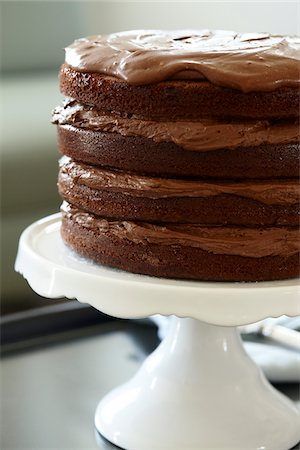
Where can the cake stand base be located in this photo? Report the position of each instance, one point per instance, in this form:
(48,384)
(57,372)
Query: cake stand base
(198,390)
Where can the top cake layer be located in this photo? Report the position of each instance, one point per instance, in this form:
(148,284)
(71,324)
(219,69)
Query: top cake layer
(248,62)
(185,74)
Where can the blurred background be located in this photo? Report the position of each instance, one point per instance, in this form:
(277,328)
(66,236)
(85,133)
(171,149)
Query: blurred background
(33,36)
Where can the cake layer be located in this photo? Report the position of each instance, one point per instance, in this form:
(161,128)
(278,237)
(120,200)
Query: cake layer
(143,155)
(176,99)
(200,136)
(122,195)
(184,251)
(244,61)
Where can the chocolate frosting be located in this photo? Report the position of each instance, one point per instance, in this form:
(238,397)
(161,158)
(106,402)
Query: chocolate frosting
(247,242)
(270,192)
(204,135)
(247,62)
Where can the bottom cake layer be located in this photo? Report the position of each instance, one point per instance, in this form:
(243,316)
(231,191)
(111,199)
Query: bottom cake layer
(184,251)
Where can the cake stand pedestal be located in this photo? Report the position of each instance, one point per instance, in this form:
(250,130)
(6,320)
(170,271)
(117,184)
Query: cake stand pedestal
(198,389)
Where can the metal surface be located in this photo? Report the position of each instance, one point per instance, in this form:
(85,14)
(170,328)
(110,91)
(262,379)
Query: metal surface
(52,385)
(47,320)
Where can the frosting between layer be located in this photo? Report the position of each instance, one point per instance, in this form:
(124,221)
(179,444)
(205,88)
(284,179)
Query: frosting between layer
(270,192)
(205,135)
(248,62)
(246,242)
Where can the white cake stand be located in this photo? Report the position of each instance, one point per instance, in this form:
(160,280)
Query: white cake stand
(199,389)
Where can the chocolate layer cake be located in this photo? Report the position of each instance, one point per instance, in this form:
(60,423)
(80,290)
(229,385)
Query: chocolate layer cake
(181,153)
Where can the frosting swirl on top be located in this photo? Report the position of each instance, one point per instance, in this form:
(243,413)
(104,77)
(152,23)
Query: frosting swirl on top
(247,62)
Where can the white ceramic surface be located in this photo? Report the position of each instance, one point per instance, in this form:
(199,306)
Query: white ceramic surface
(53,271)
(199,389)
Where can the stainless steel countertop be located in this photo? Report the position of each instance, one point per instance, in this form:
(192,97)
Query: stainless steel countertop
(52,385)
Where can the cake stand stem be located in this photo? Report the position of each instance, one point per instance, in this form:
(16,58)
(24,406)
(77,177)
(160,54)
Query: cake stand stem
(198,390)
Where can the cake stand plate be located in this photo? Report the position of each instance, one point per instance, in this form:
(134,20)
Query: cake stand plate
(198,389)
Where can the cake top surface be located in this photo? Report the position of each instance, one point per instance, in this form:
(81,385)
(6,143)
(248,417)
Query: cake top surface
(247,62)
